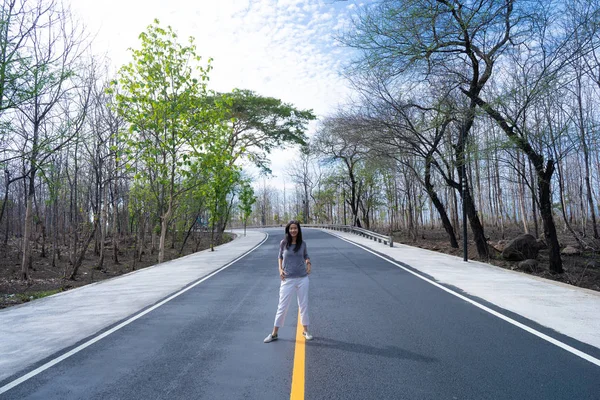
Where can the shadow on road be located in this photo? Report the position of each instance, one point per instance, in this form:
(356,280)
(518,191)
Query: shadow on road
(388,351)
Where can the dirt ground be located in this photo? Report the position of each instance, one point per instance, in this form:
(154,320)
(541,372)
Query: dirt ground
(576,273)
(46,280)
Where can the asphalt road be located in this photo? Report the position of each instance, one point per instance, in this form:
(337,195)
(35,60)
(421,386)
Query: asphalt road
(380,333)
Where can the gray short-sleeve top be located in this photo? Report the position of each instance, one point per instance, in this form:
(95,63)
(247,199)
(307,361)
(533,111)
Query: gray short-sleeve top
(293,261)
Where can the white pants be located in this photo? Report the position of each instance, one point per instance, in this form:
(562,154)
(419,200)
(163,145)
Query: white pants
(287,288)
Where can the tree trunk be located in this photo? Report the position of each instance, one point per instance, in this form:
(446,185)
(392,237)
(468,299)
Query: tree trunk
(7,183)
(114,229)
(43,228)
(546,211)
(73,209)
(29,208)
(27,233)
(173,235)
(479,191)
(410,212)
(81,255)
(189,232)
(55,249)
(344,204)
(306,203)
(222,222)
(212,237)
(534,211)
(164,225)
(522,176)
(499,192)
(365,213)
(353,201)
(563,206)
(153,239)
(591,201)
(6,232)
(492,198)
(438,205)
(474,222)
(544,176)
(476,227)
(586,156)
(135,249)
(103,227)
(144,222)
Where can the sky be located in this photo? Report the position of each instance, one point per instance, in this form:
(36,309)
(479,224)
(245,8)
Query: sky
(278,48)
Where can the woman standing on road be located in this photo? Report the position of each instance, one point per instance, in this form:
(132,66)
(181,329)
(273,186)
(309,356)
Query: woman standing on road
(294,268)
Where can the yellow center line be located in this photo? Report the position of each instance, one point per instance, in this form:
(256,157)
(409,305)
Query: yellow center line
(299,365)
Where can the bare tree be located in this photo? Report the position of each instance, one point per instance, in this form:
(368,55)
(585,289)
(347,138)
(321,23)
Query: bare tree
(300,173)
(338,139)
(56,45)
(403,129)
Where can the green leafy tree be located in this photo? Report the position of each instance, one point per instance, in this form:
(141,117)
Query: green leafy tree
(247,199)
(256,125)
(158,94)
(324,200)
(224,175)
(260,124)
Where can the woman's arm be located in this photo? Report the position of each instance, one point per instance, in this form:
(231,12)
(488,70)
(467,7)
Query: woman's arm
(281,272)
(307,260)
(280,260)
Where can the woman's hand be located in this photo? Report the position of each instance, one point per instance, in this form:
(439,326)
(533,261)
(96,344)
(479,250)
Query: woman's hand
(308,267)
(282,274)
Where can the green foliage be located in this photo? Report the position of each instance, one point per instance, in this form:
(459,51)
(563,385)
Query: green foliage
(174,134)
(260,124)
(157,94)
(323,199)
(183,140)
(20,75)
(247,199)
(141,199)
(223,176)
(423,36)
(25,297)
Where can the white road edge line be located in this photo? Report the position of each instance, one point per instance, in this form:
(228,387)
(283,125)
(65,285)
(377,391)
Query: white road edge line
(90,342)
(539,334)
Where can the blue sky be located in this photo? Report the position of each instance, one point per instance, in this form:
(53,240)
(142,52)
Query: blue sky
(280,48)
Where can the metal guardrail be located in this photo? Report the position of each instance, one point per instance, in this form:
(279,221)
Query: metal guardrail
(378,237)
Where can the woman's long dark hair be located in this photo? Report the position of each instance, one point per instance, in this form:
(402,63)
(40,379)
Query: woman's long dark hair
(288,237)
